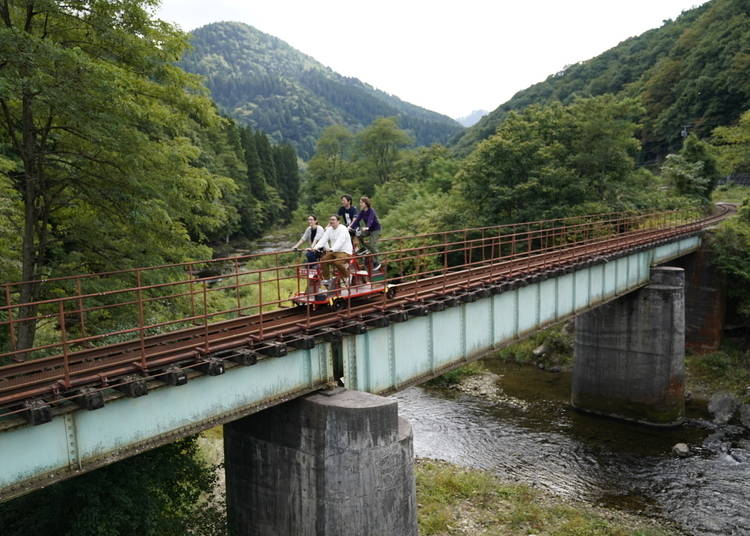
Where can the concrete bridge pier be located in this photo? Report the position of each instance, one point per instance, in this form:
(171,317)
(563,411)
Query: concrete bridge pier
(705,301)
(630,354)
(326,464)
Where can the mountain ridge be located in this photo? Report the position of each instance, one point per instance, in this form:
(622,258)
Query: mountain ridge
(261,81)
(690,72)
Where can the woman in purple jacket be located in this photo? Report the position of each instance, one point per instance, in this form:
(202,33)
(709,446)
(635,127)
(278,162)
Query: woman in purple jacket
(370,228)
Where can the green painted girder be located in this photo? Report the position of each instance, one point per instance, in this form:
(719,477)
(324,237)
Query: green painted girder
(388,359)
(379,361)
(80,440)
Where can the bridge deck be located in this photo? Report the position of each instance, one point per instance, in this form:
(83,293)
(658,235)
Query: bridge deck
(487,291)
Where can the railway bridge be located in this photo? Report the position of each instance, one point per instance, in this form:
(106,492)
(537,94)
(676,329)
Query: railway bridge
(126,361)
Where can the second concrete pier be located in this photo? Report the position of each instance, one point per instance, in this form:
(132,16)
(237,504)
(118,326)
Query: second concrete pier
(630,354)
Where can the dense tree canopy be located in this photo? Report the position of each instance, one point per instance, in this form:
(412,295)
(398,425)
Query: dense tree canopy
(355,164)
(110,155)
(733,145)
(95,136)
(551,161)
(731,246)
(693,172)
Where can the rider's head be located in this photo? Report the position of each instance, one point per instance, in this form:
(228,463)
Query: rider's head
(346,200)
(334,221)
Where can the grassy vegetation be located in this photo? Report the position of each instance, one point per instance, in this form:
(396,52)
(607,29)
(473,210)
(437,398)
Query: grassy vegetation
(456,375)
(725,370)
(558,345)
(730,193)
(457,501)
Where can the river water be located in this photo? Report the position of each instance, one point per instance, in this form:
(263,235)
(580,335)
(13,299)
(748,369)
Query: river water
(531,434)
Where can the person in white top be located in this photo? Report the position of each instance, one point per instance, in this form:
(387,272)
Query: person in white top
(338,246)
(312,232)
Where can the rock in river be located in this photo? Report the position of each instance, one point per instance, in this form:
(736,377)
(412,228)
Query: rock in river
(681,450)
(722,407)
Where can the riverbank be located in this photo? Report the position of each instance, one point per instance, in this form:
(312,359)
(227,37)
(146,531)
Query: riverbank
(456,501)
(515,422)
(459,501)
(724,370)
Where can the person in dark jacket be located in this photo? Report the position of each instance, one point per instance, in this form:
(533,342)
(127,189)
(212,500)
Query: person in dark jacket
(370,234)
(347,212)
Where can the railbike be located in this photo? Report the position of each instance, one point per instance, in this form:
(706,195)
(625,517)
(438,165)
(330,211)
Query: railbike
(364,281)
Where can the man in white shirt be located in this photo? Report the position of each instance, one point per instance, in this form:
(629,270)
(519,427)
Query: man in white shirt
(338,245)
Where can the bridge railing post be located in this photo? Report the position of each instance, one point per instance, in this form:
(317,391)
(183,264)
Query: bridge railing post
(141,318)
(11,324)
(64,341)
(81,311)
(237,286)
(205,316)
(260,304)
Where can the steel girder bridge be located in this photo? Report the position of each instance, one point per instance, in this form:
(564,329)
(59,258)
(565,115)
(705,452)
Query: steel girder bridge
(126,361)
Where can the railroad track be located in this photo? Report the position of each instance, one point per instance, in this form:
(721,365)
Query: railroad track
(246,339)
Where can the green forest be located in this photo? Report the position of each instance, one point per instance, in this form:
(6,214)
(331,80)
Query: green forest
(121,146)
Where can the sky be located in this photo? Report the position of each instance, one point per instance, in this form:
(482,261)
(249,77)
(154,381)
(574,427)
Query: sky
(449,56)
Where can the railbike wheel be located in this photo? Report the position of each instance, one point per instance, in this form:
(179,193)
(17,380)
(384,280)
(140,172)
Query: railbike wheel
(390,293)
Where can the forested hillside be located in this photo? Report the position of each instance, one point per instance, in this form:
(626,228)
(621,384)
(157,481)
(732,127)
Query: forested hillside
(263,82)
(693,72)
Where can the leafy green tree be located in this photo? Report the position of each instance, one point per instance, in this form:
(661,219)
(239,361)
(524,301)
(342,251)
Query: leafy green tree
(378,149)
(688,178)
(731,245)
(222,154)
(696,150)
(555,160)
(733,145)
(287,169)
(162,492)
(331,164)
(693,172)
(95,120)
(432,166)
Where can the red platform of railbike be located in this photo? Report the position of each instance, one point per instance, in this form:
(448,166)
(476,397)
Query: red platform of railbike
(364,282)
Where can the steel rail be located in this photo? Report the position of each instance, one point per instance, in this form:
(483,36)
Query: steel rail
(148,355)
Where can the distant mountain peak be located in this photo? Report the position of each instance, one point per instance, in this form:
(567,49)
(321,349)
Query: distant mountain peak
(472,118)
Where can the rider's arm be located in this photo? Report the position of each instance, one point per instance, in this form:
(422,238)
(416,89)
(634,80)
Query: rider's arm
(369,218)
(322,240)
(355,221)
(305,236)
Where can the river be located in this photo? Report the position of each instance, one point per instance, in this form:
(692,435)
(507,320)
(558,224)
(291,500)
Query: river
(531,434)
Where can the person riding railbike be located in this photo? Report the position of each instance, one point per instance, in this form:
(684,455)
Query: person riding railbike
(313,231)
(370,231)
(338,249)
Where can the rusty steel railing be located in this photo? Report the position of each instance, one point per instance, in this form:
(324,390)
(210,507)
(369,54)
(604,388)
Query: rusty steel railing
(91,329)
